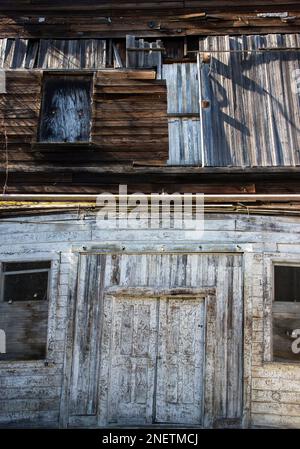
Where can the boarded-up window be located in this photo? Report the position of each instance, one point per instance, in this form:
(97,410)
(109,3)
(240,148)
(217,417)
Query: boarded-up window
(66,109)
(286,314)
(24,309)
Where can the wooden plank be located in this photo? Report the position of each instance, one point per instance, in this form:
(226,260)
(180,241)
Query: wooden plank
(83,399)
(183,98)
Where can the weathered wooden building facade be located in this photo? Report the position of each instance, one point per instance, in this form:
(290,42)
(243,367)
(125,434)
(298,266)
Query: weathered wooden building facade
(151,327)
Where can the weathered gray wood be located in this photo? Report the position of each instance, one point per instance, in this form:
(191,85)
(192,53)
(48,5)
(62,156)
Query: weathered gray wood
(144,267)
(132,361)
(66,110)
(25,325)
(128,314)
(83,395)
(143,56)
(72,54)
(183,98)
(181,357)
(246,91)
(53,54)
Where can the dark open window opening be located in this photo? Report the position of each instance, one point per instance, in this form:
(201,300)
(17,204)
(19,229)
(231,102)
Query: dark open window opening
(287,283)
(66,109)
(286,314)
(24,309)
(25,281)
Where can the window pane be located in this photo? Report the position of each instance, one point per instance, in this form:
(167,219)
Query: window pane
(24,310)
(25,325)
(66,111)
(286,314)
(22,266)
(285,327)
(287,284)
(26,286)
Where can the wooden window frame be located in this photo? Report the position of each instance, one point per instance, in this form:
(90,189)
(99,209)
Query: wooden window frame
(9,273)
(289,260)
(50,324)
(65,73)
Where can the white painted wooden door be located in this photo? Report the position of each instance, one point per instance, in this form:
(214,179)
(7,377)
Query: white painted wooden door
(132,360)
(155,360)
(179,388)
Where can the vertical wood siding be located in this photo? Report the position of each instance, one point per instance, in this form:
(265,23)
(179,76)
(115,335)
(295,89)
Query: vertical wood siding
(183,100)
(253,118)
(18,53)
(72,54)
(254,112)
(52,53)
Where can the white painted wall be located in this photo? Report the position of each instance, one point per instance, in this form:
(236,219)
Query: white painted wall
(30,391)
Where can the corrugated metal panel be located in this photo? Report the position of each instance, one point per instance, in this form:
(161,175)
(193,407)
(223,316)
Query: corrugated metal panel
(52,54)
(253,118)
(183,98)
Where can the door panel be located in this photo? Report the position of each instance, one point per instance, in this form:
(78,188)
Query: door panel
(132,360)
(180,361)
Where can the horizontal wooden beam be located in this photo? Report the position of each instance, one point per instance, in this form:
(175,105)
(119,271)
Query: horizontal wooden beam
(150,22)
(211,198)
(133,169)
(127,5)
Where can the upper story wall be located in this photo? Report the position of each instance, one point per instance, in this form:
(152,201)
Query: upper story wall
(128,120)
(250,112)
(249,116)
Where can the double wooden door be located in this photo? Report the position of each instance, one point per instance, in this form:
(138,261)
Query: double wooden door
(154,359)
(142,346)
